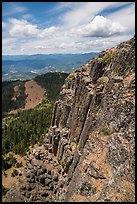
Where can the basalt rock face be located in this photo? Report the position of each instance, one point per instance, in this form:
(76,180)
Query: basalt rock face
(90,145)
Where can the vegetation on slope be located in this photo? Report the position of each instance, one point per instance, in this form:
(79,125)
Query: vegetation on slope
(24,129)
(52,82)
(7,94)
(4,190)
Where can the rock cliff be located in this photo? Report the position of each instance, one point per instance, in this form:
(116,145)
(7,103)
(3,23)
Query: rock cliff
(89,151)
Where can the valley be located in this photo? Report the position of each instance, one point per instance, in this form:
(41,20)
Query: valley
(26,67)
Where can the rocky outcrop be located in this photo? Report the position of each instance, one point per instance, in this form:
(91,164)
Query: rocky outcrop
(90,145)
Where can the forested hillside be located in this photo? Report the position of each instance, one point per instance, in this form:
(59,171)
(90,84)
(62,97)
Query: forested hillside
(9,101)
(52,82)
(27,127)
(14,96)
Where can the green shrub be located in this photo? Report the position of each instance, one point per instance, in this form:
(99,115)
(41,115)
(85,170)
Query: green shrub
(27,128)
(52,82)
(128,197)
(4,190)
(107,58)
(106,130)
(8,162)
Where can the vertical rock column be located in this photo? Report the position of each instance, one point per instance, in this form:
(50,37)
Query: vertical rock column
(55,141)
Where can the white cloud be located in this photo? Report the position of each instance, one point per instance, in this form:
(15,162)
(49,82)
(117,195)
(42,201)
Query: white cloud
(126,17)
(101,27)
(4,24)
(63,5)
(84,12)
(21,28)
(8,45)
(49,31)
(81,30)
(7,41)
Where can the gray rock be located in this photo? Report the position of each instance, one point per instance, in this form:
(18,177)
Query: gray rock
(28,195)
(95,172)
(50,150)
(49,176)
(22,187)
(41,171)
(117,79)
(49,171)
(59,170)
(47,181)
(44,194)
(42,179)
(32,180)
(28,187)
(28,175)
(87,189)
(55,191)
(55,178)
(51,186)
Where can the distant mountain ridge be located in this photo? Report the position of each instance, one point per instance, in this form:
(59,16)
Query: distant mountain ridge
(42,56)
(23,67)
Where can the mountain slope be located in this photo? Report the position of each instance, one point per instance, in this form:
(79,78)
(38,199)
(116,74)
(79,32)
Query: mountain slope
(30,110)
(89,151)
(23,95)
(13,95)
(52,82)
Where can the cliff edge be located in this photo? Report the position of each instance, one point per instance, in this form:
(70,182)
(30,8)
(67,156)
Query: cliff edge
(89,151)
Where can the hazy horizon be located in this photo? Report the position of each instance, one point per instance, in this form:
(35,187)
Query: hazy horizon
(53,54)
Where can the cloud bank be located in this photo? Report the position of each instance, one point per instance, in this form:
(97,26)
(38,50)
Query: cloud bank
(80,29)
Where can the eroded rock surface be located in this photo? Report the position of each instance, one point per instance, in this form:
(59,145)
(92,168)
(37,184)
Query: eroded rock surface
(89,151)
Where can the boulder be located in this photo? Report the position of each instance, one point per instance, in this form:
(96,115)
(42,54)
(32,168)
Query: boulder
(87,189)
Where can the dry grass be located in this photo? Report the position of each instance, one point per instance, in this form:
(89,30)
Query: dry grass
(36,94)
(8,181)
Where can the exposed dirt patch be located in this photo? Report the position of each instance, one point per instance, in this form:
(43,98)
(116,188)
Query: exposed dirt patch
(79,198)
(8,180)
(128,79)
(35,95)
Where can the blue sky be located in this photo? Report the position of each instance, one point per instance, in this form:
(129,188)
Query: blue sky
(65,27)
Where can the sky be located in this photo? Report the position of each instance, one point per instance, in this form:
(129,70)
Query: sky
(65,27)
